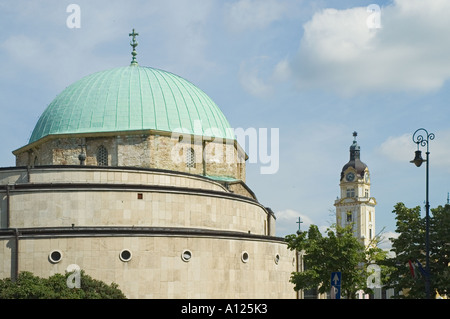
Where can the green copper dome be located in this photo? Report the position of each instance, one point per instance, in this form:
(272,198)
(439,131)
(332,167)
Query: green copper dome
(132,98)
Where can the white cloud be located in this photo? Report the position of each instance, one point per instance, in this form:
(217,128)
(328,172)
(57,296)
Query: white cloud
(409,52)
(24,48)
(398,148)
(282,72)
(292,215)
(401,149)
(253,14)
(386,243)
(252,79)
(286,222)
(440,149)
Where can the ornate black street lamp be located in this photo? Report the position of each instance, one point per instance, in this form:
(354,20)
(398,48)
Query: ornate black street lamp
(422,138)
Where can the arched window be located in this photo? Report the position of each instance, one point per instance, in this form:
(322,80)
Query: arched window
(190,157)
(102,156)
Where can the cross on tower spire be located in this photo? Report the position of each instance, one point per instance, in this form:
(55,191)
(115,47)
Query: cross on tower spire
(133,44)
(299,224)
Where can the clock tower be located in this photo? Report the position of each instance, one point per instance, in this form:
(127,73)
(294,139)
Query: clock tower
(355,206)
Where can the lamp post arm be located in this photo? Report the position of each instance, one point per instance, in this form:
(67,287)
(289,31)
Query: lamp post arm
(422,138)
(418,138)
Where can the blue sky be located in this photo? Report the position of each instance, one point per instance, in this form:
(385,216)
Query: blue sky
(315,70)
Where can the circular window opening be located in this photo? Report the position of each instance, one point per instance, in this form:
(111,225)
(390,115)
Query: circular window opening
(125,255)
(55,256)
(244,256)
(186,255)
(277,259)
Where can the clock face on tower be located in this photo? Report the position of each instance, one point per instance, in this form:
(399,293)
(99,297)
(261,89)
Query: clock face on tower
(350,177)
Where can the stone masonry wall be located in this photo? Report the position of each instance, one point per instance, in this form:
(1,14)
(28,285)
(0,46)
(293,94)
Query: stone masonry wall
(140,150)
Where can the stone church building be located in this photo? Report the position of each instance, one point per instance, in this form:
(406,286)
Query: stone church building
(134,175)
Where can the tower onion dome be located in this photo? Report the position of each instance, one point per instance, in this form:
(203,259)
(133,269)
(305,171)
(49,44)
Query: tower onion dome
(354,161)
(132,98)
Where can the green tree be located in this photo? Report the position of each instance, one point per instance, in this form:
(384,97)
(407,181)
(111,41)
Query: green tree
(28,286)
(440,249)
(339,251)
(409,248)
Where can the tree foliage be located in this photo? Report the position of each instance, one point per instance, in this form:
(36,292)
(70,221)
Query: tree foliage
(28,286)
(338,251)
(409,249)
(440,249)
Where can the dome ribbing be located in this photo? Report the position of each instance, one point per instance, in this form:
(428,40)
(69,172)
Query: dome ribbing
(132,98)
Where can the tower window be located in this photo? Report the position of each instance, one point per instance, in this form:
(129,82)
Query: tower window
(349,216)
(102,156)
(350,192)
(366,193)
(190,158)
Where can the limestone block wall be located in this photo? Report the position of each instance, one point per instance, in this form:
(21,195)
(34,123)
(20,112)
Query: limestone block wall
(7,251)
(217,268)
(80,174)
(50,208)
(62,197)
(90,215)
(146,150)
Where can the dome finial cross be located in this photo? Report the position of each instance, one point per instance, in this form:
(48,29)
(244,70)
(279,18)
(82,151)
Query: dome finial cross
(134,44)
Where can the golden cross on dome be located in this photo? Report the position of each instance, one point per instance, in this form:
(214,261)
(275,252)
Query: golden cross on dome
(134,44)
